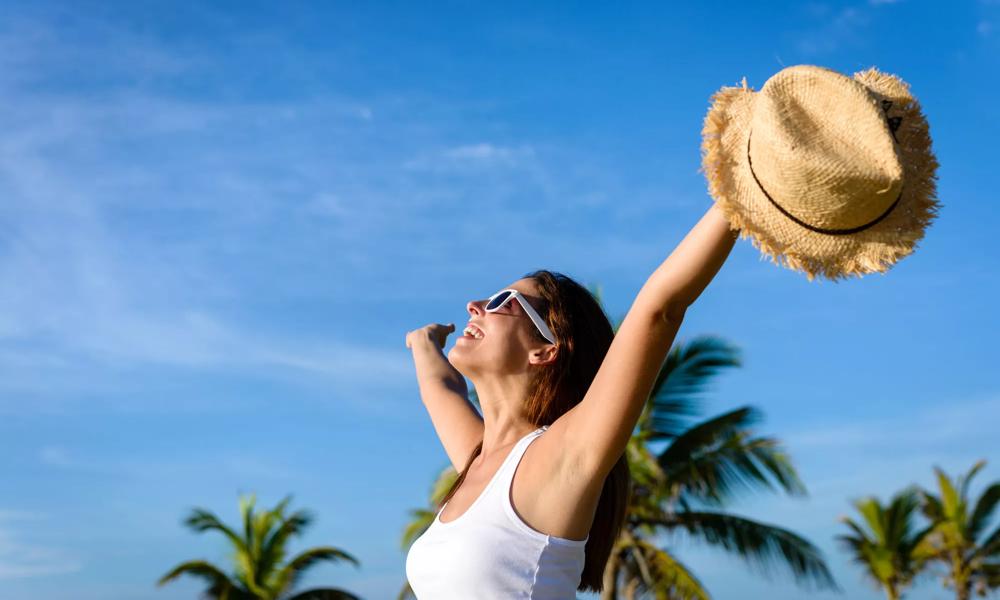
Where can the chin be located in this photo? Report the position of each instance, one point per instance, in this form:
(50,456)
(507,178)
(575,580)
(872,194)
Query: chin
(460,361)
(455,358)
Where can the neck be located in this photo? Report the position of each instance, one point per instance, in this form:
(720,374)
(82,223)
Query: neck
(502,401)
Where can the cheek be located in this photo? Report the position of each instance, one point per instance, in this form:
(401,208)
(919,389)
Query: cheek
(512,347)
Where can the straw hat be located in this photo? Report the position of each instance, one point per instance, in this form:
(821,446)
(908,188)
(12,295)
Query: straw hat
(826,174)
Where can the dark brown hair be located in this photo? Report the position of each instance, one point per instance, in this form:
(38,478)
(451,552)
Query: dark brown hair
(583,334)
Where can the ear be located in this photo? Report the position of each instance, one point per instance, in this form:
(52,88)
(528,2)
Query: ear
(544,355)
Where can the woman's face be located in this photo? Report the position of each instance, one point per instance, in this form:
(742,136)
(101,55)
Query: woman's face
(509,336)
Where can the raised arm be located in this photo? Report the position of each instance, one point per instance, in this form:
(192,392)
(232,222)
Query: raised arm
(596,431)
(444,393)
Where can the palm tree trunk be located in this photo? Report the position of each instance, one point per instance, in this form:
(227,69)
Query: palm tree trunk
(891,592)
(962,591)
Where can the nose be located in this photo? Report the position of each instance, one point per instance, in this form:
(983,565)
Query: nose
(475,308)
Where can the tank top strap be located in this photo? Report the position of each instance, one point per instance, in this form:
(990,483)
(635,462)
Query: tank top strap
(506,474)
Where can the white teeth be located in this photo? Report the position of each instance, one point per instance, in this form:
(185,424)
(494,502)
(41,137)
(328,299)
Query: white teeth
(473,332)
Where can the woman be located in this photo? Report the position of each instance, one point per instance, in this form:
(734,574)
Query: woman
(543,484)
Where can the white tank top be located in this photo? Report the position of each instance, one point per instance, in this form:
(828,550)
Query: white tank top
(489,553)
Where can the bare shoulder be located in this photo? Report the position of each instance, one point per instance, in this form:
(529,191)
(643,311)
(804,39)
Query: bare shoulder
(554,482)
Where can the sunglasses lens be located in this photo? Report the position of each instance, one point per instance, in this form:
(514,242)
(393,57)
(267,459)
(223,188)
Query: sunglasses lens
(497,301)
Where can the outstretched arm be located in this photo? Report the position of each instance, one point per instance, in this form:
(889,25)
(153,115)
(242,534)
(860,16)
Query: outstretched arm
(445,393)
(682,277)
(596,431)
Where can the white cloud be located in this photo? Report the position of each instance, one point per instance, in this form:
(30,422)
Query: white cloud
(883,455)
(25,559)
(144,228)
(843,28)
(935,427)
(486,152)
(90,291)
(55,456)
(472,156)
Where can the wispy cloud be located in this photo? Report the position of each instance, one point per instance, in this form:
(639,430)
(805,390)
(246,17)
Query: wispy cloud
(937,426)
(241,465)
(844,26)
(472,156)
(879,455)
(141,226)
(19,558)
(114,261)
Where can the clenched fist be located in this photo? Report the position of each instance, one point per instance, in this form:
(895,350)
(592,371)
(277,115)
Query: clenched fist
(435,332)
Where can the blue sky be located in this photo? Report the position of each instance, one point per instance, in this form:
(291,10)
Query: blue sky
(217,223)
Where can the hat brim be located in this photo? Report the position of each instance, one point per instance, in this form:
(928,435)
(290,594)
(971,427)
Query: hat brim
(876,249)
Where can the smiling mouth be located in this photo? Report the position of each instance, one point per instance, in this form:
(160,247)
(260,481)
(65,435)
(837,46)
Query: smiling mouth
(473,333)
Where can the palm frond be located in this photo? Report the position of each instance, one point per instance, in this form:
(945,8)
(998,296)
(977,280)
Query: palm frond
(246,515)
(683,377)
(718,457)
(661,575)
(422,519)
(886,544)
(201,520)
(982,515)
(289,575)
(218,582)
(445,479)
(761,545)
(279,508)
(931,506)
(873,514)
(645,472)
(898,523)
(990,579)
(965,480)
(949,498)
(859,531)
(990,548)
(406,593)
(324,594)
(274,549)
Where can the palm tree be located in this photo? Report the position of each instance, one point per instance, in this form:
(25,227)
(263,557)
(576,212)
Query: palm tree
(885,542)
(683,488)
(959,539)
(260,570)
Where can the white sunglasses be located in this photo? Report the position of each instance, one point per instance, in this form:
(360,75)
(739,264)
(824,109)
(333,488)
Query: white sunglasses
(497,300)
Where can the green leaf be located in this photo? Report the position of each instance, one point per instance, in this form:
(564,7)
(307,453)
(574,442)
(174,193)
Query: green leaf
(422,519)
(684,376)
(982,515)
(273,551)
(717,458)
(663,575)
(290,574)
(761,545)
(324,594)
(218,582)
(201,520)
(885,542)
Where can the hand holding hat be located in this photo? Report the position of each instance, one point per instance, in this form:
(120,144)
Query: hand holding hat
(828,175)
